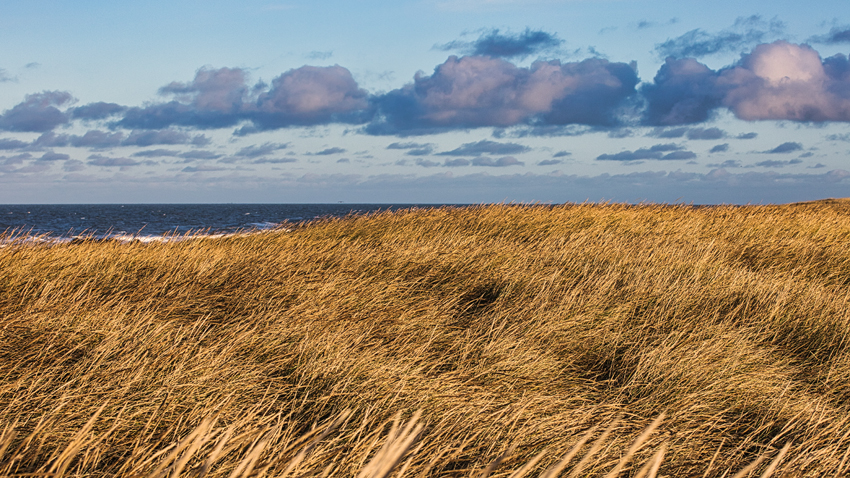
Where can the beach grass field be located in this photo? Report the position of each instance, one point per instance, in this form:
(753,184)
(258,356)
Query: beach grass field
(503,340)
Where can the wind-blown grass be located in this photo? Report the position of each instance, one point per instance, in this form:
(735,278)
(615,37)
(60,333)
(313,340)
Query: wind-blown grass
(508,340)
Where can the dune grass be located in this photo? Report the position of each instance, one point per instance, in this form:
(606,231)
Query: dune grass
(505,340)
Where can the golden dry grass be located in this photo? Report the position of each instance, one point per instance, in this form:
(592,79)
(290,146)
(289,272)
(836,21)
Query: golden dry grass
(508,340)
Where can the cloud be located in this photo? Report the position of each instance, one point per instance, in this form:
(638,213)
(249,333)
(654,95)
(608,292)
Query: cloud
(729,163)
(706,133)
(486,147)
(51,156)
(427,163)
(328,151)
(668,133)
(319,55)
(831,137)
(73,165)
(776,81)
(494,44)
(218,98)
(698,43)
(16,159)
(156,153)
(835,36)
(550,162)
(771,163)
(199,155)
(691,133)
(784,148)
(478,91)
(546,131)
(454,163)
(203,168)
(720,148)
(92,138)
(4,77)
(311,95)
(747,136)
(164,136)
(682,92)
(9,143)
(275,160)
(679,155)
(100,160)
(255,151)
(96,139)
(413,149)
(561,154)
(673,152)
(38,112)
(498,163)
(97,111)
(35,167)
(407,145)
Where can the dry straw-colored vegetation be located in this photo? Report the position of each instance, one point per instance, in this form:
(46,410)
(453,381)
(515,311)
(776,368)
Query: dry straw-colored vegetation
(509,340)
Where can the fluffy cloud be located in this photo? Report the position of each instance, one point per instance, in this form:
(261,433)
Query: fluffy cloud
(476,91)
(720,148)
(311,95)
(219,98)
(38,112)
(776,81)
(683,92)
(497,45)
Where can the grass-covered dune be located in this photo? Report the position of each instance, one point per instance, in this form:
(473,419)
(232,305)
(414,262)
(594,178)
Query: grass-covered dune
(576,340)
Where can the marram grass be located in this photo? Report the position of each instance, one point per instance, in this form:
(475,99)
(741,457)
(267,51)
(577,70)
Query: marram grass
(507,340)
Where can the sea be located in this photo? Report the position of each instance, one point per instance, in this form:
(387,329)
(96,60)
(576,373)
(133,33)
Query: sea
(145,222)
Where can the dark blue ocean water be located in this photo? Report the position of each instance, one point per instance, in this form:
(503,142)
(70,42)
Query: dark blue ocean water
(102,220)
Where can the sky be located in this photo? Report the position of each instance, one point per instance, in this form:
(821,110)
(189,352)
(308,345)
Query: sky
(424,101)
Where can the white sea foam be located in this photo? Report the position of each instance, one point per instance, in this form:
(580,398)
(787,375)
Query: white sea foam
(125,238)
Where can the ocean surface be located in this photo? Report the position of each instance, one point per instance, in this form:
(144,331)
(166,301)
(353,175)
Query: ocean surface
(140,221)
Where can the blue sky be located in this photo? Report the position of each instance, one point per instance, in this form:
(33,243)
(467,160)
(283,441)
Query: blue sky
(424,101)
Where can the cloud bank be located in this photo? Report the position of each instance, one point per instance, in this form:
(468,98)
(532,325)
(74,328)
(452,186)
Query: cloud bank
(776,81)
(305,96)
(478,91)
